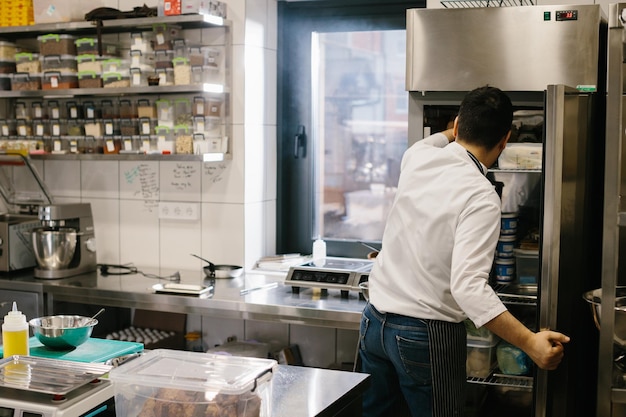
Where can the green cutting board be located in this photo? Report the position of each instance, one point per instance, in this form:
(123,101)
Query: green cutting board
(93,350)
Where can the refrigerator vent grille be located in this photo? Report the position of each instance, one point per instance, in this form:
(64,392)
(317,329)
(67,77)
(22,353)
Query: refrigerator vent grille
(460,4)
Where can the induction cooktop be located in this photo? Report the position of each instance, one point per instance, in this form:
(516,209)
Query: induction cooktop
(343,274)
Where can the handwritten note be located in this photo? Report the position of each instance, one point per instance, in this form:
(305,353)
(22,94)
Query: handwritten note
(144,182)
(182,176)
(214,172)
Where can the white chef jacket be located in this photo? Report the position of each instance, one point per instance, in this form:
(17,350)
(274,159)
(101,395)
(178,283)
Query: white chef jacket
(439,239)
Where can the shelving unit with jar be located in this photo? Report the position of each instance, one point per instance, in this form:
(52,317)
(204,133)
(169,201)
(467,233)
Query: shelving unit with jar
(168,78)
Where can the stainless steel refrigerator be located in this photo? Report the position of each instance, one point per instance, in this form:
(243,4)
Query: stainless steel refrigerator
(551,60)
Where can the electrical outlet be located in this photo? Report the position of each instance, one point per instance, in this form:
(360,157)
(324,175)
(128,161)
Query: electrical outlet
(178,211)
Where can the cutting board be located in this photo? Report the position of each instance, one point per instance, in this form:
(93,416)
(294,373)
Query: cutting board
(93,350)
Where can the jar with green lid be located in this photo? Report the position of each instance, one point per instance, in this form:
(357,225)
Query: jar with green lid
(182,71)
(27,62)
(165,139)
(184,139)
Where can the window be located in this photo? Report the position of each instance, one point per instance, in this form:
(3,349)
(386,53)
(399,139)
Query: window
(342,122)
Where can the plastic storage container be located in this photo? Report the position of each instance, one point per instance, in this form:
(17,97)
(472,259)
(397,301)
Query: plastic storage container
(481,358)
(115,79)
(7,66)
(27,62)
(5,81)
(505,270)
(505,246)
(58,80)
(526,266)
(89,79)
(25,82)
(479,335)
(182,71)
(90,46)
(61,63)
(56,44)
(7,50)
(89,62)
(162,382)
(115,65)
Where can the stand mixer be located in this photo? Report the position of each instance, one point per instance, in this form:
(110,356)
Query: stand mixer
(65,245)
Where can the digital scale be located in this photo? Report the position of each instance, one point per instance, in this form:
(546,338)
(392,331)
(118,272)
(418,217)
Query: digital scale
(344,274)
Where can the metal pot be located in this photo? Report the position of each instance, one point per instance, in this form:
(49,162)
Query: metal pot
(594,298)
(54,248)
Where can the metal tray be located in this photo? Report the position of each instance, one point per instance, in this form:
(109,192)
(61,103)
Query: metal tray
(48,376)
(182,289)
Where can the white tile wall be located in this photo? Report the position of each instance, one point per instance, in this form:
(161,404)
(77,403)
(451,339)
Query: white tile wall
(236,199)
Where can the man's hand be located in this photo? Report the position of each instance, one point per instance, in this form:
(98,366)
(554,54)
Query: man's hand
(546,348)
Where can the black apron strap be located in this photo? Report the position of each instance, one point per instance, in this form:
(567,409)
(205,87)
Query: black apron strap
(448,353)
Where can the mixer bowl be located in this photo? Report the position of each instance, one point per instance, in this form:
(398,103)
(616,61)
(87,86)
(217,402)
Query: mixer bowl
(62,332)
(594,298)
(54,248)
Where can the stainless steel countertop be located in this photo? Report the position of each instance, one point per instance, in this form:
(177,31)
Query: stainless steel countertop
(308,392)
(310,307)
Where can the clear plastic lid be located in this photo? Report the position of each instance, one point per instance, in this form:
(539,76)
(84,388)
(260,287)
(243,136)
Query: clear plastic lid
(21,186)
(194,371)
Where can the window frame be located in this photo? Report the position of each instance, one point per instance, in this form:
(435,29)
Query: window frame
(297,20)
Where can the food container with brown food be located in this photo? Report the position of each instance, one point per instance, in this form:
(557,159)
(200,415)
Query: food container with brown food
(61,63)
(170,382)
(53,80)
(128,127)
(90,46)
(89,79)
(146,109)
(23,81)
(116,79)
(27,62)
(93,128)
(126,109)
(163,59)
(56,44)
(7,50)
(7,66)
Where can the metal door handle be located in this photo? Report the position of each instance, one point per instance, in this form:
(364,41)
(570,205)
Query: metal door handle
(300,143)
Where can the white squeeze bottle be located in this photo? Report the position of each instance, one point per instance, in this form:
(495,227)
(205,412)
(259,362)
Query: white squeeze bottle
(319,252)
(15,333)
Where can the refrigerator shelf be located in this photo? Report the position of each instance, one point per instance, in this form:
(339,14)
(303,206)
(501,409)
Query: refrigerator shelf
(513,381)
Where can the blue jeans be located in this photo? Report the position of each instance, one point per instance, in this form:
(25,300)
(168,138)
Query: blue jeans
(394,350)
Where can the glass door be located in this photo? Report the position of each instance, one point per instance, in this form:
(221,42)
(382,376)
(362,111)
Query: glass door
(343,117)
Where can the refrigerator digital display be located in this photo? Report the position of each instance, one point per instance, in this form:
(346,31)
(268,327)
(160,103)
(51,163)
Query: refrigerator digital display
(566,15)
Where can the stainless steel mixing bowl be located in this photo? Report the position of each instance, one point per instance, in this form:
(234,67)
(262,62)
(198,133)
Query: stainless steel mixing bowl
(54,248)
(594,298)
(63,332)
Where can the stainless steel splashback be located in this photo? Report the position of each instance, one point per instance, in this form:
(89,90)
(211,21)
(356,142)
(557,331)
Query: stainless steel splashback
(513,48)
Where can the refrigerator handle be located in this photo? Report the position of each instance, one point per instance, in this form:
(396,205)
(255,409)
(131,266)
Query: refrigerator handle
(299,143)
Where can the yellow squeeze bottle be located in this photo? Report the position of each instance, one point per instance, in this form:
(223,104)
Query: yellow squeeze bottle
(15,333)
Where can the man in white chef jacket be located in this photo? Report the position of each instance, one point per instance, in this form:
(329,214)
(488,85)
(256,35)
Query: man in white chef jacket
(432,272)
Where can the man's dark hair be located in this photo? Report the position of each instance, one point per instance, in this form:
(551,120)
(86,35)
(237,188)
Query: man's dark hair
(485,117)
